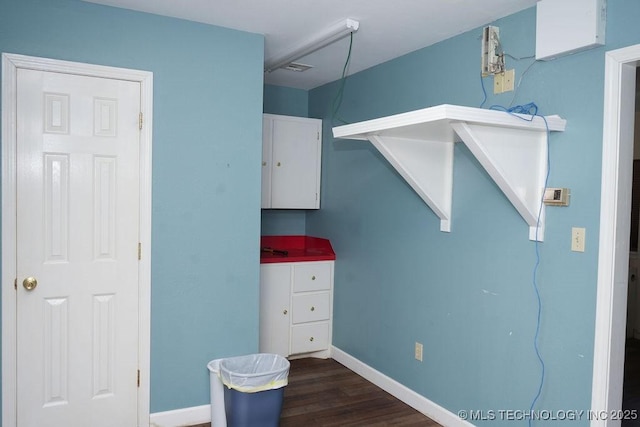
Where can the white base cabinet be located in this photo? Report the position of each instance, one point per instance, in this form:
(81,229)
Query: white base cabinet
(296,308)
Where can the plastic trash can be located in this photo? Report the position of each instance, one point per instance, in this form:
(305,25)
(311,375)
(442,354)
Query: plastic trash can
(218,416)
(254,389)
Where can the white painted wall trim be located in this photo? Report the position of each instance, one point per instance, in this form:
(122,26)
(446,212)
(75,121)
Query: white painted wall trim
(613,255)
(182,417)
(399,391)
(10,65)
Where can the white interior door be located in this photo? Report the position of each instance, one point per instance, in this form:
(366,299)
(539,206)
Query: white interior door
(77,191)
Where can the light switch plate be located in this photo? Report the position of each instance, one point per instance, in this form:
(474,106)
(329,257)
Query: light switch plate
(577,239)
(418,351)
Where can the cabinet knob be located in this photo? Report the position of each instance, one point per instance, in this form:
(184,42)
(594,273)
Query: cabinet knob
(278,164)
(284,311)
(313,277)
(313,308)
(311,339)
(264,163)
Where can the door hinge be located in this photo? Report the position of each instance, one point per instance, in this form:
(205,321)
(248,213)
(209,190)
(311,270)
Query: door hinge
(138,377)
(139,251)
(140,120)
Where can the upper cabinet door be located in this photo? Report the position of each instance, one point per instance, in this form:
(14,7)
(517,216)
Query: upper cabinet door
(267,126)
(291,162)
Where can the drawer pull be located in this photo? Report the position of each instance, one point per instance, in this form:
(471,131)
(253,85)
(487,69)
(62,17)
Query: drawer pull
(313,277)
(284,311)
(313,308)
(311,339)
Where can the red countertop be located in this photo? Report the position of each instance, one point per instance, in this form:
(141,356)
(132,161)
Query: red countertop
(297,248)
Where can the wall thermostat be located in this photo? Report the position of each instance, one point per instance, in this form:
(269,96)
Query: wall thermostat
(556,196)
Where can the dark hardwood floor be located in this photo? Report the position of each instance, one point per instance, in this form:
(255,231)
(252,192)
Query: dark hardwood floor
(323,393)
(631,387)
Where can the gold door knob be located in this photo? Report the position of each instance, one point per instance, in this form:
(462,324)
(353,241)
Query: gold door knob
(284,312)
(30,283)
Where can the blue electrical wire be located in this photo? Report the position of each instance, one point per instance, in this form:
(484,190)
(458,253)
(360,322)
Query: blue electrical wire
(535,281)
(531,109)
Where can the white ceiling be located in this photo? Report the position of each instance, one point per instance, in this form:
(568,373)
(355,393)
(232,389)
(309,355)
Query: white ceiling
(388,28)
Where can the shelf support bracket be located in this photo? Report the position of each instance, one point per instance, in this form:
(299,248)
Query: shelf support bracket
(516,159)
(427,166)
(512,148)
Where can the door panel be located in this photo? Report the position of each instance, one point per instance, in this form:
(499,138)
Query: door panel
(77,235)
(275,309)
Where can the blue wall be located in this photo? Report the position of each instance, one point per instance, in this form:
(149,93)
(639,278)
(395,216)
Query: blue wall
(468,295)
(286,101)
(206,172)
(289,102)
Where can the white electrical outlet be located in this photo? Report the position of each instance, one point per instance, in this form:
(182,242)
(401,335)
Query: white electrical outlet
(418,351)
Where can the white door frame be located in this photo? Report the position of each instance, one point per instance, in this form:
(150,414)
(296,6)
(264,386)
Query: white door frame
(615,208)
(10,65)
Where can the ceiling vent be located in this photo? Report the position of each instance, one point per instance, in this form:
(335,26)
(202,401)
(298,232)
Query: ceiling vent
(298,67)
(317,42)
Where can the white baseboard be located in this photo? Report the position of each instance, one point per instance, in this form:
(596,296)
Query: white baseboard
(202,414)
(399,391)
(182,417)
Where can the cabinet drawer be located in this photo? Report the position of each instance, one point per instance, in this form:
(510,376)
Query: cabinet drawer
(310,307)
(315,276)
(309,337)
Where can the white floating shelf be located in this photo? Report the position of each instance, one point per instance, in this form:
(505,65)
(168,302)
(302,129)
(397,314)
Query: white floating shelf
(419,144)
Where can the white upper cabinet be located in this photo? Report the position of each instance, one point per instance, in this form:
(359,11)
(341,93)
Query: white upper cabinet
(291,155)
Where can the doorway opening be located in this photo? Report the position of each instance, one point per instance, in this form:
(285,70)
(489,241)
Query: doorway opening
(615,226)
(631,385)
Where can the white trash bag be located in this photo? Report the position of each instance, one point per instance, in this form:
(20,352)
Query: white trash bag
(255,372)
